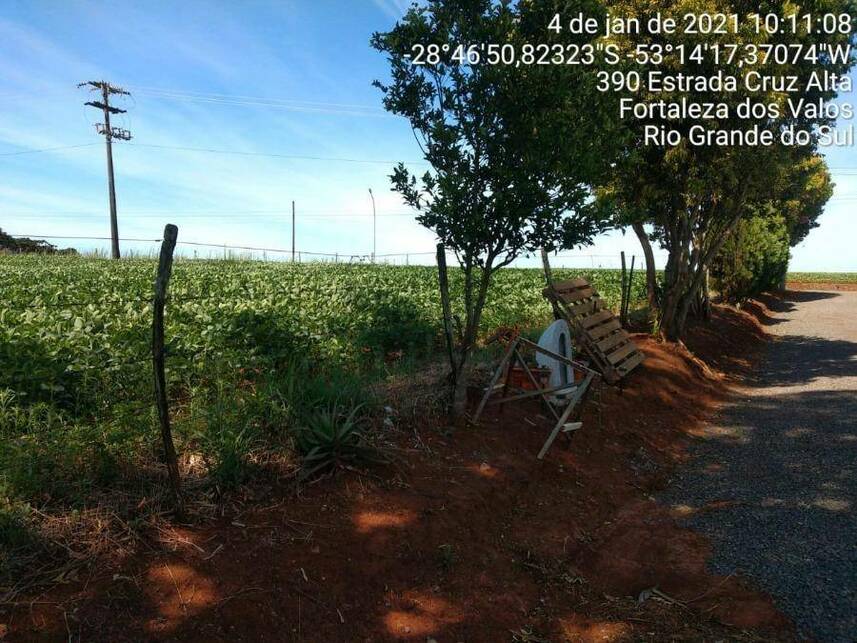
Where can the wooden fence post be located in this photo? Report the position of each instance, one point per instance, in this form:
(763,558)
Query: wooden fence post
(165,267)
(630,286)
(443,280)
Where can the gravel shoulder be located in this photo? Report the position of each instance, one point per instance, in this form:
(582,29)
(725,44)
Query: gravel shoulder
(780,461)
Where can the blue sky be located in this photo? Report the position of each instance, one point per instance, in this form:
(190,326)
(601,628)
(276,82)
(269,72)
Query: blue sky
(289,78)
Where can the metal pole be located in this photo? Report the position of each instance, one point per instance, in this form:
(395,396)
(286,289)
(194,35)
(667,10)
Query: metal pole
(293,231)
(374,228)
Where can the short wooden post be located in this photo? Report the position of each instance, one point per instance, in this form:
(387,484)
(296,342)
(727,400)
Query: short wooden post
(443,279)
(165,267)
(630,286)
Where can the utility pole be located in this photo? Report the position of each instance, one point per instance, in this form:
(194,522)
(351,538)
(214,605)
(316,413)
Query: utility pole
(374,228)
(109,134)
(293,231)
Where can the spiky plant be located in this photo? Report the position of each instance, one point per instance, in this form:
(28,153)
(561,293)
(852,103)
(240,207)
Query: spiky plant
(332,437)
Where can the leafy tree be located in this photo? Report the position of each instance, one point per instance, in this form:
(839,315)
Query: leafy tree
(512,149)
(694,196)
(754,259)
(803,195)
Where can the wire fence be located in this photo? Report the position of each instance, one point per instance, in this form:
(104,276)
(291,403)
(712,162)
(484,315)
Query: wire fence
(227,250)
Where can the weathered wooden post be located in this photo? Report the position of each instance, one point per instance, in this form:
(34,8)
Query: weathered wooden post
(165,267)
(630,286)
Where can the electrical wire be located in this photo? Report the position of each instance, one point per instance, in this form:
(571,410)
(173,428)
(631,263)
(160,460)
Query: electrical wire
(48,149)
(261,101)
(296,157)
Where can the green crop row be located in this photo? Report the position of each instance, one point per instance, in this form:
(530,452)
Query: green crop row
(67,316)
(822,277)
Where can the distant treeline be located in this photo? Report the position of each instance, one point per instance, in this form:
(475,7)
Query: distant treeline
(24,246)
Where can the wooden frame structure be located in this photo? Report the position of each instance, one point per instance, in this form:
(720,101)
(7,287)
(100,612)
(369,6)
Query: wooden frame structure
(576,391)
(597,331)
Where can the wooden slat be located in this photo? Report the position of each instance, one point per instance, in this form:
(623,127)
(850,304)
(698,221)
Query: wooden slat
(577,295)
(583,309)
(570,284)
(632,362)
(596,318)
(613,340)
(618,355)
(598,332)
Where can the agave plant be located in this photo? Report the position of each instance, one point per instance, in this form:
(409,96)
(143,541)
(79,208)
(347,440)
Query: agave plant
(332,437)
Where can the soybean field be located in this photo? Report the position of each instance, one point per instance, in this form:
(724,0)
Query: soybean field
(252,347)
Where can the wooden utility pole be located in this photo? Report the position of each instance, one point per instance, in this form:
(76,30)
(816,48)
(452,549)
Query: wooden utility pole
(293,231)
(165,268)
(109,134)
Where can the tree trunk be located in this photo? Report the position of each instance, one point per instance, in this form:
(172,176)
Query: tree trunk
(669,326)
(651,274)
(458,408)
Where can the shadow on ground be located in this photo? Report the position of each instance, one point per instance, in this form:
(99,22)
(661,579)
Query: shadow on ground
(774,479)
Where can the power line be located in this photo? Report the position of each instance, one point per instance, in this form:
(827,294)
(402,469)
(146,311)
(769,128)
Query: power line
(320,107)
(297,157)
(48,149)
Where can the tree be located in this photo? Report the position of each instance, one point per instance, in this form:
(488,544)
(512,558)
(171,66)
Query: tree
(512,149)
(24,245)
(755,258)
(694,195)
(806,190)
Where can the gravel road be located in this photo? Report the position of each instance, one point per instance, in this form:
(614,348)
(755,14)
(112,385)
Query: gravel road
(783,454)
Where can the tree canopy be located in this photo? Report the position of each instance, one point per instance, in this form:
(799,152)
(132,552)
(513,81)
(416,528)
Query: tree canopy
(694,195)
(513,149)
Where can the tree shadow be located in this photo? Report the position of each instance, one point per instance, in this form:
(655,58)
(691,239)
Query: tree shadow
(798,360)
(785,301)
(782,471)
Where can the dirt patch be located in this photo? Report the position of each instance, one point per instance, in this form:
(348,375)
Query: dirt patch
(466,537)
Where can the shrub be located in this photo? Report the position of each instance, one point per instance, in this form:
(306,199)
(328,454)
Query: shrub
(753,260)
(332,437)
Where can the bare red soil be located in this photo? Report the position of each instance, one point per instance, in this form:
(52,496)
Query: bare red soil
(467,538)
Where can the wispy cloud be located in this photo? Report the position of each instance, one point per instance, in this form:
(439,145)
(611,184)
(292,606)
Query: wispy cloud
(393,8)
